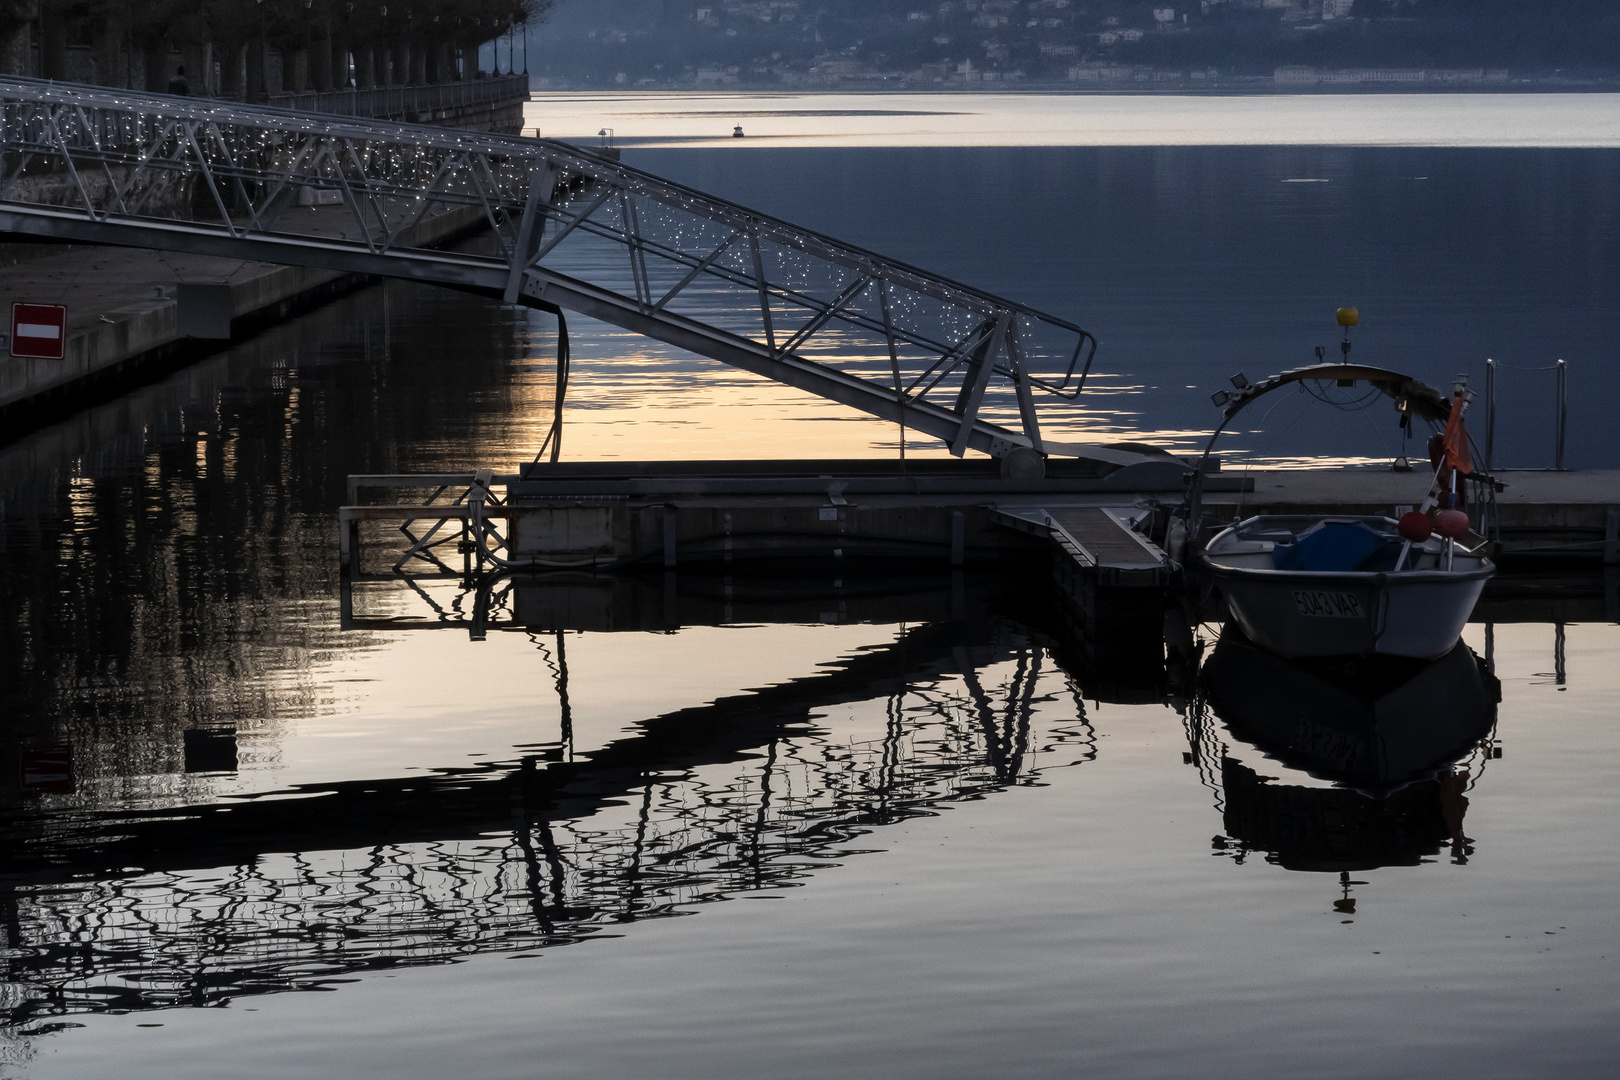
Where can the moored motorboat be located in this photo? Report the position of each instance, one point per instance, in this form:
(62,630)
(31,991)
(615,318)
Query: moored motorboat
(1330,585)
(1344,586)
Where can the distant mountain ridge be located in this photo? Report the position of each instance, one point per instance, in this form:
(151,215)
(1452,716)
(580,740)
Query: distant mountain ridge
(877,43)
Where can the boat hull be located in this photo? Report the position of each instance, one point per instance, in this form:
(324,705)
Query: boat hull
(1303,614)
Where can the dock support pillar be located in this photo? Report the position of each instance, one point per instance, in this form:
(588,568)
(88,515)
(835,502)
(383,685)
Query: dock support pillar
(1611,537)
(958,538)
(671,530)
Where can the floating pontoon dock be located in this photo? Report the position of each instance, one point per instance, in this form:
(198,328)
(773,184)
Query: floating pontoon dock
(664,515)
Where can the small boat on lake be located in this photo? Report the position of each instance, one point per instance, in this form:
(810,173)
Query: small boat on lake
(1333,585)
(1345,586)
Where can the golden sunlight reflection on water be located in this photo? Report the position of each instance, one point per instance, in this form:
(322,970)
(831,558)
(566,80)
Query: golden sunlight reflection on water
(633,399)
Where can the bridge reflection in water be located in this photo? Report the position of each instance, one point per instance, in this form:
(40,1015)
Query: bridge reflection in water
(755,791)
(1314,766)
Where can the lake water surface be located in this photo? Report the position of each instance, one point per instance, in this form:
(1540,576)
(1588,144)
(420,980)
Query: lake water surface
(1196,237)
(908,825)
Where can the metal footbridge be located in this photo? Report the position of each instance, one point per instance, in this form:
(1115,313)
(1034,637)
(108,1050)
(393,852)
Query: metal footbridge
(565,229)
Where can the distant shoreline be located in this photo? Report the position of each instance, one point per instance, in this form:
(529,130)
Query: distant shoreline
(1259,88)
(1037,116)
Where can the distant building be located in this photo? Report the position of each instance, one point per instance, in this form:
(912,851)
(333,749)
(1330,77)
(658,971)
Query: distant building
(1099,73)
(834,70)
(1296,75)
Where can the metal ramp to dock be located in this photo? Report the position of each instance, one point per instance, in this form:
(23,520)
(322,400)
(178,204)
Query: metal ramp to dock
(98,165)
(1098,539)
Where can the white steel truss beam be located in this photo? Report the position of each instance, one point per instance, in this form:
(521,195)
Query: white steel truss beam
(99,165)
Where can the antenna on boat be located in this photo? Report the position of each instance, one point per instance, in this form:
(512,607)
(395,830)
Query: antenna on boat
(1347,317)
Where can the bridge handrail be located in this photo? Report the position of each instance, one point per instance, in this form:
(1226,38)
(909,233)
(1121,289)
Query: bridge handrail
(348,101)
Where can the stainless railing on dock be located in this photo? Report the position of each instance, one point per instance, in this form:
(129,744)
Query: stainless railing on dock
(1560,412)
(471,514)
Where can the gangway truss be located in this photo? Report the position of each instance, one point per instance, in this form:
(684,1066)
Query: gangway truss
(107,166)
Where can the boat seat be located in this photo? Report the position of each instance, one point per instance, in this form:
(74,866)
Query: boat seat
(1337,547)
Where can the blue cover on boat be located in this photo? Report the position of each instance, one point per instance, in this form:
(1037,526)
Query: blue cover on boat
(1337,546)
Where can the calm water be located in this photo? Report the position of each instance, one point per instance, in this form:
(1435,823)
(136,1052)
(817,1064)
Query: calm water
(1190,264)
(1010,119)
(906,826)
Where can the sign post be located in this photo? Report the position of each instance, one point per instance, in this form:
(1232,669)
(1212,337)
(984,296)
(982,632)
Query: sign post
(38,330)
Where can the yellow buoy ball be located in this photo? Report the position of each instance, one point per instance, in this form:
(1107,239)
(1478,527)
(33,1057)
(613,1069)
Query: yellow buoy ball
(1348,316)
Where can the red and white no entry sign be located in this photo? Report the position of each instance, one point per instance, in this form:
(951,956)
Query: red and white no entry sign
(38,330)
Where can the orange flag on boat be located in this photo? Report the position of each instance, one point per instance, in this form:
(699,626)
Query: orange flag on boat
(1456,439)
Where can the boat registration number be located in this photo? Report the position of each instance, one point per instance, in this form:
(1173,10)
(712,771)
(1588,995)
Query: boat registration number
(1321,604)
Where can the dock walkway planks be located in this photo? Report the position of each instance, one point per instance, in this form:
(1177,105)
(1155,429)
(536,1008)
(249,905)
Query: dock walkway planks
(1099,539)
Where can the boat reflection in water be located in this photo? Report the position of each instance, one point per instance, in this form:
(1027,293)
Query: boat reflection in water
(1391,742)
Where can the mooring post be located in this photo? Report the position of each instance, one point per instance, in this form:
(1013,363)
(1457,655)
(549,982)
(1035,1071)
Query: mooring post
(1561,417)
(1611,537)
(346,540)
(671,535)
(958,538)
(1490,415)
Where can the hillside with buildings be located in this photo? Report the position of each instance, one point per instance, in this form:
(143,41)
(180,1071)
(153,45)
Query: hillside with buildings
(853,44)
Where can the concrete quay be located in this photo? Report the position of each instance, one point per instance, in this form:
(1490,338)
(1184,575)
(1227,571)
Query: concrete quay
(124,317)
(966,512)
(651,515)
